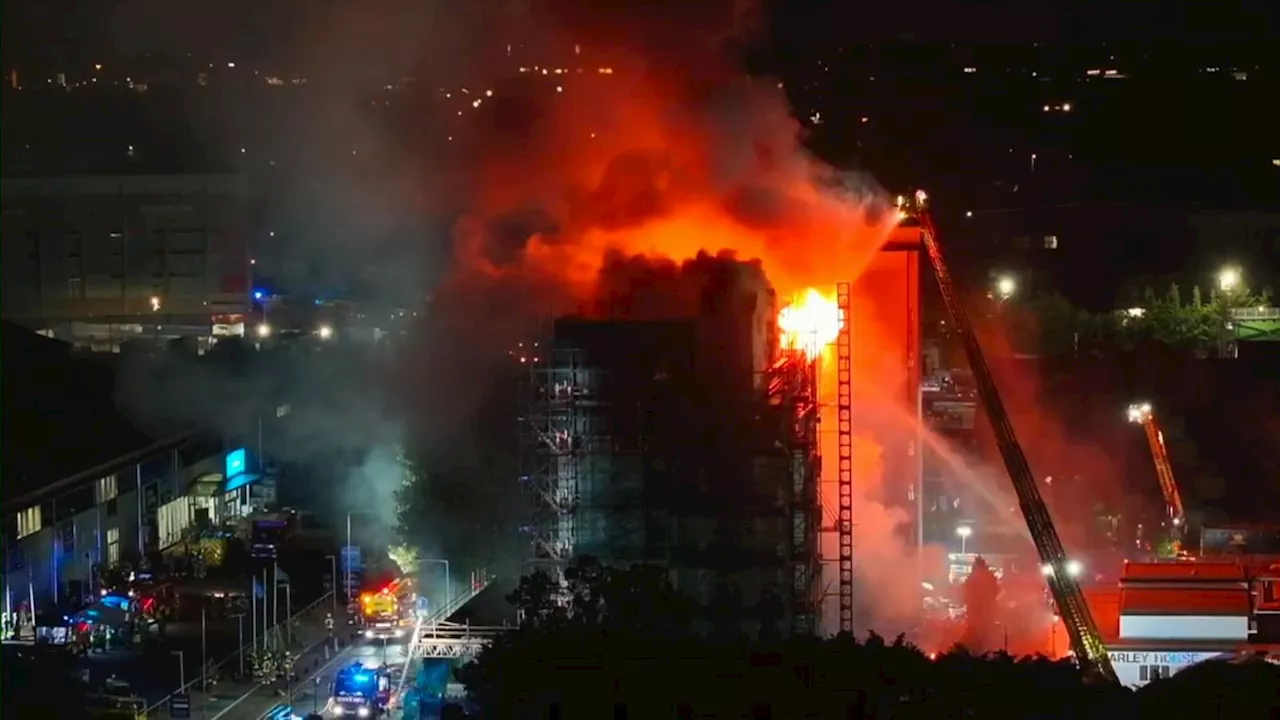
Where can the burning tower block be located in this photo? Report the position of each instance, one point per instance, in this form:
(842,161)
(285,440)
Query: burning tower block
(660,438)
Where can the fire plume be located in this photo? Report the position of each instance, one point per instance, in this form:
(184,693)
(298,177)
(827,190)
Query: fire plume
(810,323)
(598,200)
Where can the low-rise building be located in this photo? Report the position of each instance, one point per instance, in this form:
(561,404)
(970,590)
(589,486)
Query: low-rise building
(58,538)
(1174,615)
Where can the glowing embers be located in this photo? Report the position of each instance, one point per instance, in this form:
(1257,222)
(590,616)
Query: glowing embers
(810,323)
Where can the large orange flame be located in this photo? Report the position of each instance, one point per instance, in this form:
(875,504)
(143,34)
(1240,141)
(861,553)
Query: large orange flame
(810,323)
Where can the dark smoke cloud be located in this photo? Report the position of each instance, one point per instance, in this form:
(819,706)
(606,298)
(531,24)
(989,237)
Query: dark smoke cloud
(643,288)
(558,203)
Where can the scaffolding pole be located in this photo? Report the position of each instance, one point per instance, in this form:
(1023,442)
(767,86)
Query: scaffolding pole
(844,479)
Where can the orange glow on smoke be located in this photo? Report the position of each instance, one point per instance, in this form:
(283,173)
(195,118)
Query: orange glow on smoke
(635,167)
(630,168)
(810,323)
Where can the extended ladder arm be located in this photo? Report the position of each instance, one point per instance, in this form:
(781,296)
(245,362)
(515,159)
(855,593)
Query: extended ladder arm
(1166,472)
(1086,641)
(1143,415)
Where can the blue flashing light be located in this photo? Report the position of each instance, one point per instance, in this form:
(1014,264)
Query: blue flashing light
(258,294)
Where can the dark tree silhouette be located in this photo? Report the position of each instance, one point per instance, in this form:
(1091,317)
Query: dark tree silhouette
(982,608)
(609,639)
(1216,688)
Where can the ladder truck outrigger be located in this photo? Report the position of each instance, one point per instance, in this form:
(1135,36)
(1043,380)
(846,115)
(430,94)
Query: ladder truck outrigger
(1142,414)
(1058,569)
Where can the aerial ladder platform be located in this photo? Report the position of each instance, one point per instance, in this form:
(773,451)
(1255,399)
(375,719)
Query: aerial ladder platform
(1086,641)
(1143,415)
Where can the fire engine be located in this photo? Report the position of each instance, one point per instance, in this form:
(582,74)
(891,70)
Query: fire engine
(361,691)
(386,612)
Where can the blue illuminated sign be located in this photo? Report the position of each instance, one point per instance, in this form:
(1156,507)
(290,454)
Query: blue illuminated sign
(237,463)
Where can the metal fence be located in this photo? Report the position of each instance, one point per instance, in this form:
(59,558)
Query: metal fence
(247,647)
(1258,313)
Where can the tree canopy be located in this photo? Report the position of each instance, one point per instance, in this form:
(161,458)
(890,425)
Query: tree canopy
(1049,324)
(609,638)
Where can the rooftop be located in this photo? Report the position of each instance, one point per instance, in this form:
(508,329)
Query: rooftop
(1183,572)
(60,417)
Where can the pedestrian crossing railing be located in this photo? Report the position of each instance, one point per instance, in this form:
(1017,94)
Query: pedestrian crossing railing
(433,622)
(447,640)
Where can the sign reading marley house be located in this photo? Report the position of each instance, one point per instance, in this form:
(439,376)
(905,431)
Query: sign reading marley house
(1158,658)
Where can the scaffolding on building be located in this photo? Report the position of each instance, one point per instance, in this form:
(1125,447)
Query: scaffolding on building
(793,385)
(555,436)
(619,472)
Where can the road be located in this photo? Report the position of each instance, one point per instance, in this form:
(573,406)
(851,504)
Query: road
(315,668)
(309,635)
(311,694)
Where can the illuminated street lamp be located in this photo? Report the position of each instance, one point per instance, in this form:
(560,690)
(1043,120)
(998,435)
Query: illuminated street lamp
(964,531)
(1230,282)
(325,332)
(1006,286)
(1228,279)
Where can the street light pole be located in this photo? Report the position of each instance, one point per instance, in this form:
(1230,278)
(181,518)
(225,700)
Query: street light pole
(240,652)
(182,670)
(333,584)
(288,611)
(448,585)
(347,556)
(204,654)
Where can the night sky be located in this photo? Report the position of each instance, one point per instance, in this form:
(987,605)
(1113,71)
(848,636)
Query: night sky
(78,29)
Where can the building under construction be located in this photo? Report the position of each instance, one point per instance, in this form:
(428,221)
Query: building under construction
(689,441)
